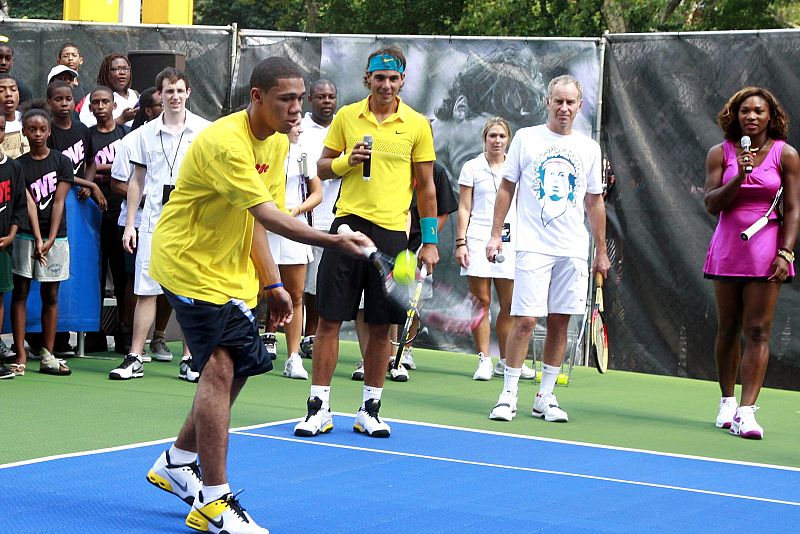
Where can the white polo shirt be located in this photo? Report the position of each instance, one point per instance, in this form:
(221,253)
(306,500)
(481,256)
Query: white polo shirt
(162,153)
(311,141)
(485,182)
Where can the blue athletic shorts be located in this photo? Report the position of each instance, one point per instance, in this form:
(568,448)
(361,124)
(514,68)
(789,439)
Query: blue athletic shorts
(232,325)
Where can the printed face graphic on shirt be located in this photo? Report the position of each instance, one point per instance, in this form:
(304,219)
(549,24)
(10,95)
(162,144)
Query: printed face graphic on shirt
(555,181)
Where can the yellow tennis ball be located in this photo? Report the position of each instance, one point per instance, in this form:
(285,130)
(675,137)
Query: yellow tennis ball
(405,267)
(562,379)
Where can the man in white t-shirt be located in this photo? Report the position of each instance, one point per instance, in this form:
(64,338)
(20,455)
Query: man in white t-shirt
(315,124)
(558,172)
(157,156)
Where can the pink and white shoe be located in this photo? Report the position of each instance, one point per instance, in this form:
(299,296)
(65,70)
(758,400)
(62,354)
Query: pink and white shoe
(744,423)
(727,411)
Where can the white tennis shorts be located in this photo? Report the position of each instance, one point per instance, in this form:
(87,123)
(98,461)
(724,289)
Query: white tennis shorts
(549,284)
(480,267)
(311,270)
(143,285)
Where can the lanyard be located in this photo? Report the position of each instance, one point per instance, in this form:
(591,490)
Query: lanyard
(177,149)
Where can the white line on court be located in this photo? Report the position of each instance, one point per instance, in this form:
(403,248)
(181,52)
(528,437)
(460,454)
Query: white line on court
(125,447)
(523,469)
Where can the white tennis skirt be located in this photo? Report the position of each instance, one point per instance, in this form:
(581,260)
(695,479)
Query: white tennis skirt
(480,267)
(288,252)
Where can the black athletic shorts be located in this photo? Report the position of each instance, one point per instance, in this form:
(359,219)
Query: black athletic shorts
(342,278)
(207,326)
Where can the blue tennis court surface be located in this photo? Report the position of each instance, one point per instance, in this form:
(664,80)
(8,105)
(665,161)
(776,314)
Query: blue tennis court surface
(423,479)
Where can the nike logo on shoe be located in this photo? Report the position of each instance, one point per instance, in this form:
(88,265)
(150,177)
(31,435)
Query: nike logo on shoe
(217,524)
(181,486)
(43,205)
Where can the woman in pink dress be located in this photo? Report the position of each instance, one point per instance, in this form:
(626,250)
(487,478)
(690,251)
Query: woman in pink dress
(740,187)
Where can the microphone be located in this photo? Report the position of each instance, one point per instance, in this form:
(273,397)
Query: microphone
(745,142)
(368,161)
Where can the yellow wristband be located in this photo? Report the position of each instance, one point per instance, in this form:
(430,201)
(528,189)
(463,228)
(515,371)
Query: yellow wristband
(341,165)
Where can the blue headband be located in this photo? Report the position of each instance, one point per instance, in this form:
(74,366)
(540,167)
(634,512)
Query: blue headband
(385,62)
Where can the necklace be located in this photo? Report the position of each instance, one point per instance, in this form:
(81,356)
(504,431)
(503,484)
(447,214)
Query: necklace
(755,150)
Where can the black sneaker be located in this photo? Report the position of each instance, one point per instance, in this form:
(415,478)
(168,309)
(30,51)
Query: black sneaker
(307,347)
(270,341)
(5,372)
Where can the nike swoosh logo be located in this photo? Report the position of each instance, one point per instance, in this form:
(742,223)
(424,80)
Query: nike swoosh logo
(181,486)
(44,206)
(3,208)
(217,524)
(399,133)
(76,169)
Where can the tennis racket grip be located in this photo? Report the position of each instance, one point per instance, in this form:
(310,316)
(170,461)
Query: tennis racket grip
(598,279)
(345,229)
(755,227)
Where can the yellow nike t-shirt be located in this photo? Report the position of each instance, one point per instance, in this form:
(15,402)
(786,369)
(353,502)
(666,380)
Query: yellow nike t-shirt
(402,139)
(201,245)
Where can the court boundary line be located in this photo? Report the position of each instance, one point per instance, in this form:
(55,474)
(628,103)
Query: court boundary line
(129,446)
(523,469)
(238,430)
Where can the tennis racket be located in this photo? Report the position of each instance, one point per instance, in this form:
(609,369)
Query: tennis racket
(599,332)
(447,309)
(303,163)
(405,336)
(764,219)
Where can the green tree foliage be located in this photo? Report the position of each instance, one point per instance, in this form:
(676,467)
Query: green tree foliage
(556,18)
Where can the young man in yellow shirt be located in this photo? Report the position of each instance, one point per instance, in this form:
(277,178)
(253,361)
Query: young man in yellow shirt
(210,255)
(377,203)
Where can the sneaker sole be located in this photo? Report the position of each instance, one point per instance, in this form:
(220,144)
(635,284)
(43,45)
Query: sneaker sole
(726,424)
(481,378)
(296,377)
(119,377)
(497,417)
(308,434)
(358,377)
(376,434)
(398,378)
(195,381)
(162,483)
(162,358)
(541,415)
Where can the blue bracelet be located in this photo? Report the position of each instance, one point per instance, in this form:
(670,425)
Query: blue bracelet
(430,230)
(273,286)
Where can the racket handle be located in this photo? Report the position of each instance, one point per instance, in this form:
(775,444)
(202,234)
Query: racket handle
(598,279)
(755,227)
(345,229)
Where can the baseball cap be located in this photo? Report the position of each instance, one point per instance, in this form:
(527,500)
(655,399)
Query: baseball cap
(60,69)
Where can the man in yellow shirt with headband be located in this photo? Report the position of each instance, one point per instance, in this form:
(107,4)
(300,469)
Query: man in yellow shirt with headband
(401,157)
(210,255)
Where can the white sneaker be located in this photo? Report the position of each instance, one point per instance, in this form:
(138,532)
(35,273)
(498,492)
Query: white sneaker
(484,371)
(294,367)
(358,374)
(181,480)
(744,423)
(224,515)
(160,351)
(131,367)
(506,407)
(397,375)
(727,410)
(185,370)
(527,372)
(368,422)
(407,359)
(318,419)
(546,407)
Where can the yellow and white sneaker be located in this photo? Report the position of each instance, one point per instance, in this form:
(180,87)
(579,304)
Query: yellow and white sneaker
(181,480)
(223,515)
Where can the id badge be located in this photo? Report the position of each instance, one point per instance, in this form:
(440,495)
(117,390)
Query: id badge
(505,235)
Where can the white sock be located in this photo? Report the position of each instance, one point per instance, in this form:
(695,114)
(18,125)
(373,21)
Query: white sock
(511,379)
(370,393)
(212,493)
(323,392)
(728,400)
(549,379)
(181,457)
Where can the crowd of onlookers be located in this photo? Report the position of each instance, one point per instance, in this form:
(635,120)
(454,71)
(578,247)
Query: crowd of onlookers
(68,138)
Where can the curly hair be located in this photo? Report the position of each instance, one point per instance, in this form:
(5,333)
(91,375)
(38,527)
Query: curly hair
(728,117)
(506,83)
(104,74)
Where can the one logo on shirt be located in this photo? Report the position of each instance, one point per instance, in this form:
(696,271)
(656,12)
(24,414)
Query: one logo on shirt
(106,154)
(262,167)
(556,180)
(76,154)
(43,188)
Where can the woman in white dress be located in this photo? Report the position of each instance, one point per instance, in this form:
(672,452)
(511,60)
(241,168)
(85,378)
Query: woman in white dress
(291,257)
(478,184)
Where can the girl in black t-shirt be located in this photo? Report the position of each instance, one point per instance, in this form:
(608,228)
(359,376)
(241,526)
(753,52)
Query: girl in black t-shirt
(41,250)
